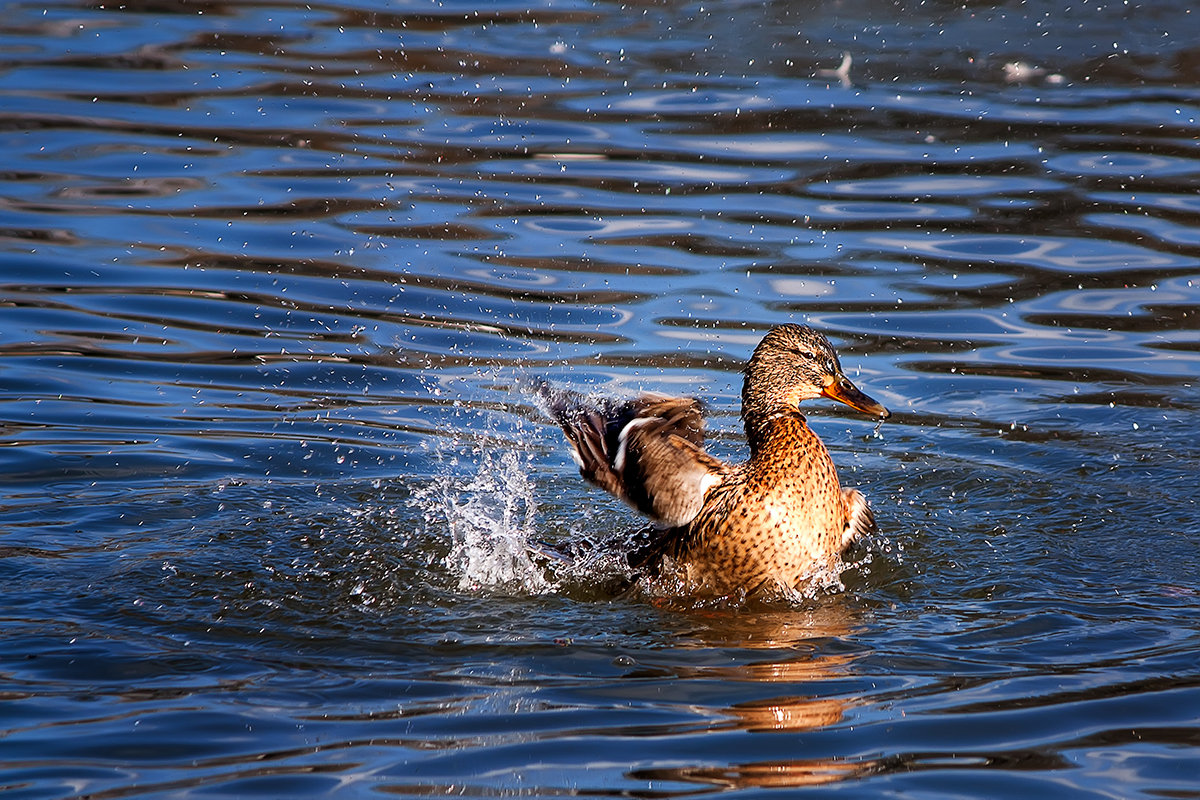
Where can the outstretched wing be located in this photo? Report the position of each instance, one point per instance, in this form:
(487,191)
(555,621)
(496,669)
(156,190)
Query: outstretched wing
(648,450)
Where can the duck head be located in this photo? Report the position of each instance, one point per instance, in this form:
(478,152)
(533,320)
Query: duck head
(794,363)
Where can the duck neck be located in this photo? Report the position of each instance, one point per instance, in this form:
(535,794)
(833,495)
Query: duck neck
(763,429)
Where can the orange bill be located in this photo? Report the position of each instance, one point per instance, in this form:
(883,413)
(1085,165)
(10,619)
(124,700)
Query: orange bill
(842,390)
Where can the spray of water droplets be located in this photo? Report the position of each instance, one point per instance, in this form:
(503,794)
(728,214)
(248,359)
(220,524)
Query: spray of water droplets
(490,518)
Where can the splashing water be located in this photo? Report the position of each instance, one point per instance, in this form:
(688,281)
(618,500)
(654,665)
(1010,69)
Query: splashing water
(491,520)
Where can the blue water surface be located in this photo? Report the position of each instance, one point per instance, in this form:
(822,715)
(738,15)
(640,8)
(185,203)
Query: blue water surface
(271,277)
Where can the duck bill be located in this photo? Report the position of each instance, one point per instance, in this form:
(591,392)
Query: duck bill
(842,390)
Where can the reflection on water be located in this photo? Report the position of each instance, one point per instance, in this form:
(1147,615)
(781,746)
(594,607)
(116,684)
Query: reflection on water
(270,275)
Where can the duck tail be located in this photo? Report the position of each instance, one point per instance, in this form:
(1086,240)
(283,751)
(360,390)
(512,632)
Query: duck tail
(860,520)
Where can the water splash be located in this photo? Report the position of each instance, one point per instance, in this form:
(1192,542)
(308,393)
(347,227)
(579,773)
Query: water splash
(491,519)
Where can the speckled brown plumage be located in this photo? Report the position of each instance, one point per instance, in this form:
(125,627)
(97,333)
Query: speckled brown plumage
(761,525)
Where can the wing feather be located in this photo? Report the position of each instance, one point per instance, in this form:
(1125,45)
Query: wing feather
(647,450)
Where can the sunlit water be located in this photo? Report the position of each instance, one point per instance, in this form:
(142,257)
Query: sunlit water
(271,503)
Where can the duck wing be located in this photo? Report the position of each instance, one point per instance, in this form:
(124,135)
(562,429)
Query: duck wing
(647,450)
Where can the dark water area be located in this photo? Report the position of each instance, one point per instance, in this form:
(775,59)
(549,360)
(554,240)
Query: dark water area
(269,278)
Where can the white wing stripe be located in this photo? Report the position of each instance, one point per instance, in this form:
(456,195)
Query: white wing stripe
(623,441)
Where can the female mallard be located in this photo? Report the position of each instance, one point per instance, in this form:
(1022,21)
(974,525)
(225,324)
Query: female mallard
(760,526)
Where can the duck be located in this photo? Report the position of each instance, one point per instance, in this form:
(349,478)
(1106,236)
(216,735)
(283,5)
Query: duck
(766,525)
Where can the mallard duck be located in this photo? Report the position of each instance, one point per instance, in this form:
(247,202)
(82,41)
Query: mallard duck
(764,525)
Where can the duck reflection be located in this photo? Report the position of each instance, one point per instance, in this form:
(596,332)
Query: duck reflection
(762,774)
(798,642)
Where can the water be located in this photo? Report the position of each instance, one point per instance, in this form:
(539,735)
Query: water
(271,273)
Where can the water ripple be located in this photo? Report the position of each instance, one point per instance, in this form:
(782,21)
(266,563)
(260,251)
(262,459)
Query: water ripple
(1045,252)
